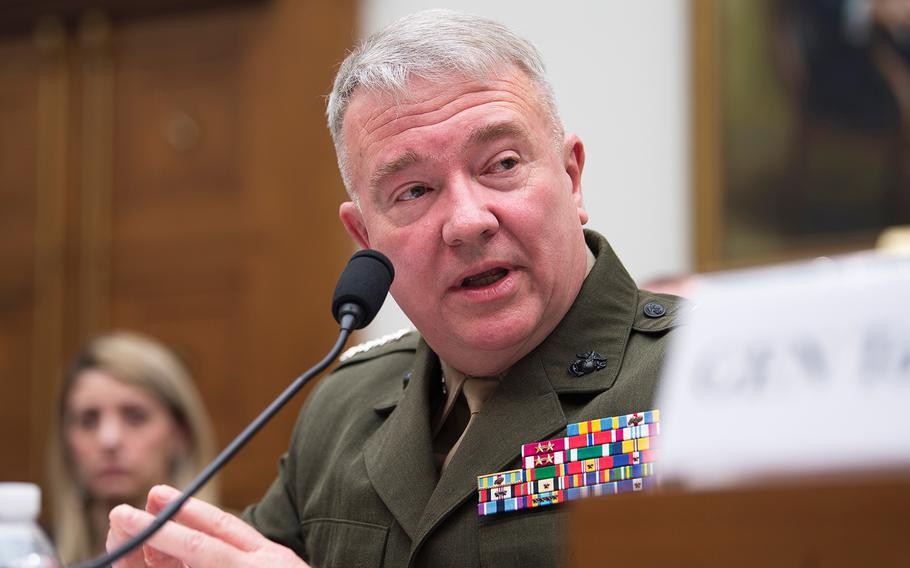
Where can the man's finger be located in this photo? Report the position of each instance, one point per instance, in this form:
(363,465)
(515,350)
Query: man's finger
(117,536)
(206,518)
(188,545)
(156,559)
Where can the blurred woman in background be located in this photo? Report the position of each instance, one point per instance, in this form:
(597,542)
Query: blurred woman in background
(129,418)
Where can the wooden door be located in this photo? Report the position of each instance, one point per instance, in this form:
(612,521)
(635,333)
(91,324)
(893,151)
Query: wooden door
(191,194)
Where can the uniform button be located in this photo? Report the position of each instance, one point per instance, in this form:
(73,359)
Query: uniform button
(654,310)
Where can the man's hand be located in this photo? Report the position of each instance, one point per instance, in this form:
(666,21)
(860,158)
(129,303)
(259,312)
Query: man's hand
(201,536)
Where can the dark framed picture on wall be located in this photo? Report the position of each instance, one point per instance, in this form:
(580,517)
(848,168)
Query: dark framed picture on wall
(801,127)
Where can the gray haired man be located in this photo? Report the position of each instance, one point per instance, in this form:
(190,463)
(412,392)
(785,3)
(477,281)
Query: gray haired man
(458,169)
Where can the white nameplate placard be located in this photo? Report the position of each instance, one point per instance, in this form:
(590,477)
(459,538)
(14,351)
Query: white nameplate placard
(797,369)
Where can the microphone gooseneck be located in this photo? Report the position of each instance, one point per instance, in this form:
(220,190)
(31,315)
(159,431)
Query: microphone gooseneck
(360,292)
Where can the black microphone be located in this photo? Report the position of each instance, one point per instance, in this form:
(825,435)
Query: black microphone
(361,290)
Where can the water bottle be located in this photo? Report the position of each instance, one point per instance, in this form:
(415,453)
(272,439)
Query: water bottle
(22,542)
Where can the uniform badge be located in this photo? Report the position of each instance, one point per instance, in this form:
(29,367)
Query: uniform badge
(599,457)
(587,363)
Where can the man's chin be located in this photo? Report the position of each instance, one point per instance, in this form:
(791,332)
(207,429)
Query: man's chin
(488,350)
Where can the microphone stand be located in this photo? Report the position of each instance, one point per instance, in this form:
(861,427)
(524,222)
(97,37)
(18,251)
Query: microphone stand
(350,320)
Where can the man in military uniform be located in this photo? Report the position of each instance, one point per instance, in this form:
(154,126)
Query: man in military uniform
(458,169)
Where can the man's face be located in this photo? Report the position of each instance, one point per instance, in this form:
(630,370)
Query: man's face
(462,186)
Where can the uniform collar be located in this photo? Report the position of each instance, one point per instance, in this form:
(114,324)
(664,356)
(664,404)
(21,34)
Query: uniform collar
(399,455)
(452,381)
(599,320)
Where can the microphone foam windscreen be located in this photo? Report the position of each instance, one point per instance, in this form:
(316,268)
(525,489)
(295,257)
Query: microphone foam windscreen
(365,281)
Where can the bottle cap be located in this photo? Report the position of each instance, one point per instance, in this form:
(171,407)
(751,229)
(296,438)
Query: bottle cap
(19,501)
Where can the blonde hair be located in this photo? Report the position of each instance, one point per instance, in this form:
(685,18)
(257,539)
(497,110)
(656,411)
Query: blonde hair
(134,360)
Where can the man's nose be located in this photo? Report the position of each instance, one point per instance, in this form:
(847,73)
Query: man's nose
(110,433)
(470,219)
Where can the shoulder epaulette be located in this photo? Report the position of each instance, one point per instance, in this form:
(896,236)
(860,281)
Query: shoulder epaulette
(374,343)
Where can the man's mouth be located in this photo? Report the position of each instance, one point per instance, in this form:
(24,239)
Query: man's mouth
(484,278)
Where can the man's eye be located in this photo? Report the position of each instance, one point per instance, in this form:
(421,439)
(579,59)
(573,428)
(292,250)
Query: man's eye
(504,165)
(413,193)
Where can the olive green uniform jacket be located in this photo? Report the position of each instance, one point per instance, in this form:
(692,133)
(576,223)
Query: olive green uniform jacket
(358,486)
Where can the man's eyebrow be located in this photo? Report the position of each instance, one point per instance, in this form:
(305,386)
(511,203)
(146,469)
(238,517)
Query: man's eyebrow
(494,131)
(479,135)
(400,163)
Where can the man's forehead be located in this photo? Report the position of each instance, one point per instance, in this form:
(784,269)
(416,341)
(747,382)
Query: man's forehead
(372,108)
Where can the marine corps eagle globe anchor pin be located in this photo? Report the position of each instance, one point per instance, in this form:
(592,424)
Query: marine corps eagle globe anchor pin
(587,363)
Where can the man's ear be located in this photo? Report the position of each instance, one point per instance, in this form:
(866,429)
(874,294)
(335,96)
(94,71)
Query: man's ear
(352,219)
(574,163)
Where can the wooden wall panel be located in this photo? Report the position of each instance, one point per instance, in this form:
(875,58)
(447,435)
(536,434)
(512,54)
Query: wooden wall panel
(18,147)
(198,136)
(33,99)
(178,111)
(294,192)
(201,197)
(18,150)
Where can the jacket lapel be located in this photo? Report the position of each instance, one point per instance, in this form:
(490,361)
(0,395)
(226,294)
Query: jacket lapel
(399,455)
(524,405)
(600,320)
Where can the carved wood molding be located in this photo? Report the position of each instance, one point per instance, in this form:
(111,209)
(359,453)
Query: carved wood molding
(20,16)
